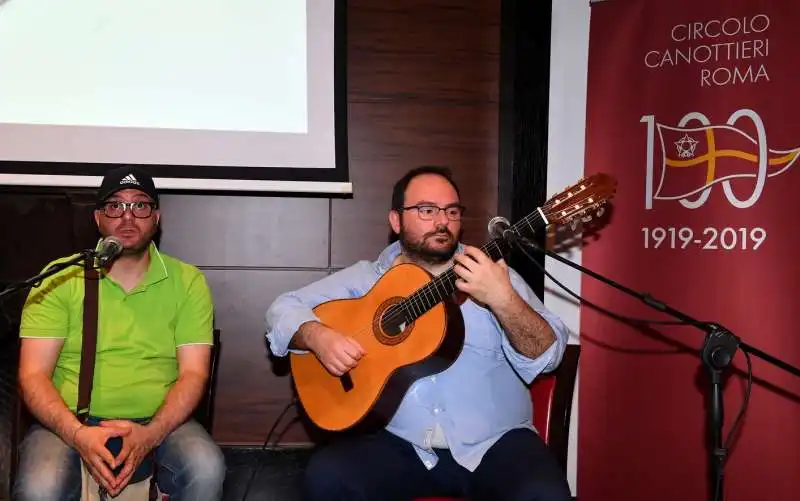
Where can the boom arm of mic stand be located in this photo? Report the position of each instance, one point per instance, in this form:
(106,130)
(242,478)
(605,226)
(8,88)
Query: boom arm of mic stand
(661,306)
(718,350)
(52,270)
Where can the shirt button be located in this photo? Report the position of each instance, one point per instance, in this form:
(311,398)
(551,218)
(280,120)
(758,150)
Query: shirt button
(433,379)
(436,410)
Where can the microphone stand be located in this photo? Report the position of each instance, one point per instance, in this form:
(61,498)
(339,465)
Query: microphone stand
(52,270)
(716,353)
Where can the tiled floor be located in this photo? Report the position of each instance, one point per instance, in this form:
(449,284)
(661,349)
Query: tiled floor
(277,479)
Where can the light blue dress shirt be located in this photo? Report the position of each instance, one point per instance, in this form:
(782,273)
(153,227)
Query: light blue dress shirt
(476,400)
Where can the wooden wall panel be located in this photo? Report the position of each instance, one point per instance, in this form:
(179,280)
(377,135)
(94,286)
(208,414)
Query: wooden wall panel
(250,395)
(387,140)
(423,89)
(23,234)
(435,52)
(253,232)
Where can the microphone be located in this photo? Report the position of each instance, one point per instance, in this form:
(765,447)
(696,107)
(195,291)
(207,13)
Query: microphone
(500,228)
(110,248)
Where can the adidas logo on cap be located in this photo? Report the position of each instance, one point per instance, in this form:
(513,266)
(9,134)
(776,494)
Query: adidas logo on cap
(129,179)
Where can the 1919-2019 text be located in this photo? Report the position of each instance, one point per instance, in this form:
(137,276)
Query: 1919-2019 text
(710,238)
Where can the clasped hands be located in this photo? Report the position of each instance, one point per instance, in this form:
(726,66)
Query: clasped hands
(90,442)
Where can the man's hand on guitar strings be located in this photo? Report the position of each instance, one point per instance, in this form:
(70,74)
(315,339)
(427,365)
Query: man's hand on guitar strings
(338,353)
(486,281)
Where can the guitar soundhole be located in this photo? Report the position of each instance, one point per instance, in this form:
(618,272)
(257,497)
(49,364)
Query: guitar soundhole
(390,324)
(394,321)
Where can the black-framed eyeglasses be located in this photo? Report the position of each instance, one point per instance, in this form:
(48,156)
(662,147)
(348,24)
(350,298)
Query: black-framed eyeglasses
(427,212)
(139,209)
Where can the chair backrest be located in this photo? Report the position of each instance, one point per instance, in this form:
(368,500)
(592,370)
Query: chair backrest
(204,414)
(552,403)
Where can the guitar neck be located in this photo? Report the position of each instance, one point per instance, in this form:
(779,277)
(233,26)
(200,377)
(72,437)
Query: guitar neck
(444,285)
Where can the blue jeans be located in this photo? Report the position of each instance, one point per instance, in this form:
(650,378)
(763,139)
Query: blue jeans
(190,467)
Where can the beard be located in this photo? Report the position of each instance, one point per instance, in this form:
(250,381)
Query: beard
(136,250)
(420,251)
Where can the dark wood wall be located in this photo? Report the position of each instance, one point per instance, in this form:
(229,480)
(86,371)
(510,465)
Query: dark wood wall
(422,89)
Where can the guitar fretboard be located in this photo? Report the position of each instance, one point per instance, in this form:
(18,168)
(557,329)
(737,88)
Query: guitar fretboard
(444,285)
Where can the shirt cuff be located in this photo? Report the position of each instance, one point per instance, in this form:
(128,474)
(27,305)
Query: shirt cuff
(529,368)
(283,332)
(42,333)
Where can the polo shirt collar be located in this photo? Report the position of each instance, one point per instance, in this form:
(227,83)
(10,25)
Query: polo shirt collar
(156,269)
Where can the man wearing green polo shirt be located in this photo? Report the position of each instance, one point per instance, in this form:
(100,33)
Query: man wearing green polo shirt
(154,337)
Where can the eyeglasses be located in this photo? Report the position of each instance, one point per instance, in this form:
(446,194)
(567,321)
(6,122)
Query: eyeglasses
(428,212)
(139,209)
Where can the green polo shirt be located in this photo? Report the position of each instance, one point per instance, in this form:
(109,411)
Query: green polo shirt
(138,333)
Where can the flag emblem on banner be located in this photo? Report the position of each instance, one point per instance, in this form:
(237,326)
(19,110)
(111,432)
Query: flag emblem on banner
(693,159)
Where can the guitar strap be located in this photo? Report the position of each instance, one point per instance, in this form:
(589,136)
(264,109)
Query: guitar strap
(89,345)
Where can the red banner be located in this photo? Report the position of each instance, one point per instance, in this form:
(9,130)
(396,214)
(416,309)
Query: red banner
(693,106)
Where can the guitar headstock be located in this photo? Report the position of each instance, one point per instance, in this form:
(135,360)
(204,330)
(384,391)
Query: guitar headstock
(581,199)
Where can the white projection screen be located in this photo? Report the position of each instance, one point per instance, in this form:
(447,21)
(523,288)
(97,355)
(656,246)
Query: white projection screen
(241,95)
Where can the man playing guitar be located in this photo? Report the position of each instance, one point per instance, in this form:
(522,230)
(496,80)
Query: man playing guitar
(466,431)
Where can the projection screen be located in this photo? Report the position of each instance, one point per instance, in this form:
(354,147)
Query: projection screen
(244,95)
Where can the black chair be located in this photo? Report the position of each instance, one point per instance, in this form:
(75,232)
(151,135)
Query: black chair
(204,414)
(22,418)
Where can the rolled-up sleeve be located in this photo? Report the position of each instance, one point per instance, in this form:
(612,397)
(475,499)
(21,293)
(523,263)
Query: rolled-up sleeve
(529,368)
(292,309)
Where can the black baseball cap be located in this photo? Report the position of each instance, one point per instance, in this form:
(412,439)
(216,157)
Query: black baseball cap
(124,178)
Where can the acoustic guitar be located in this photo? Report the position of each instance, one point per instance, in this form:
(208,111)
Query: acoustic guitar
(410,325)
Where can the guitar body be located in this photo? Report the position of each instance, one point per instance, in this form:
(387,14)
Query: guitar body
(396,357)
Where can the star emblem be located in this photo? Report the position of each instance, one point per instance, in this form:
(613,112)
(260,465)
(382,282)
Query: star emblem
(686,146)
